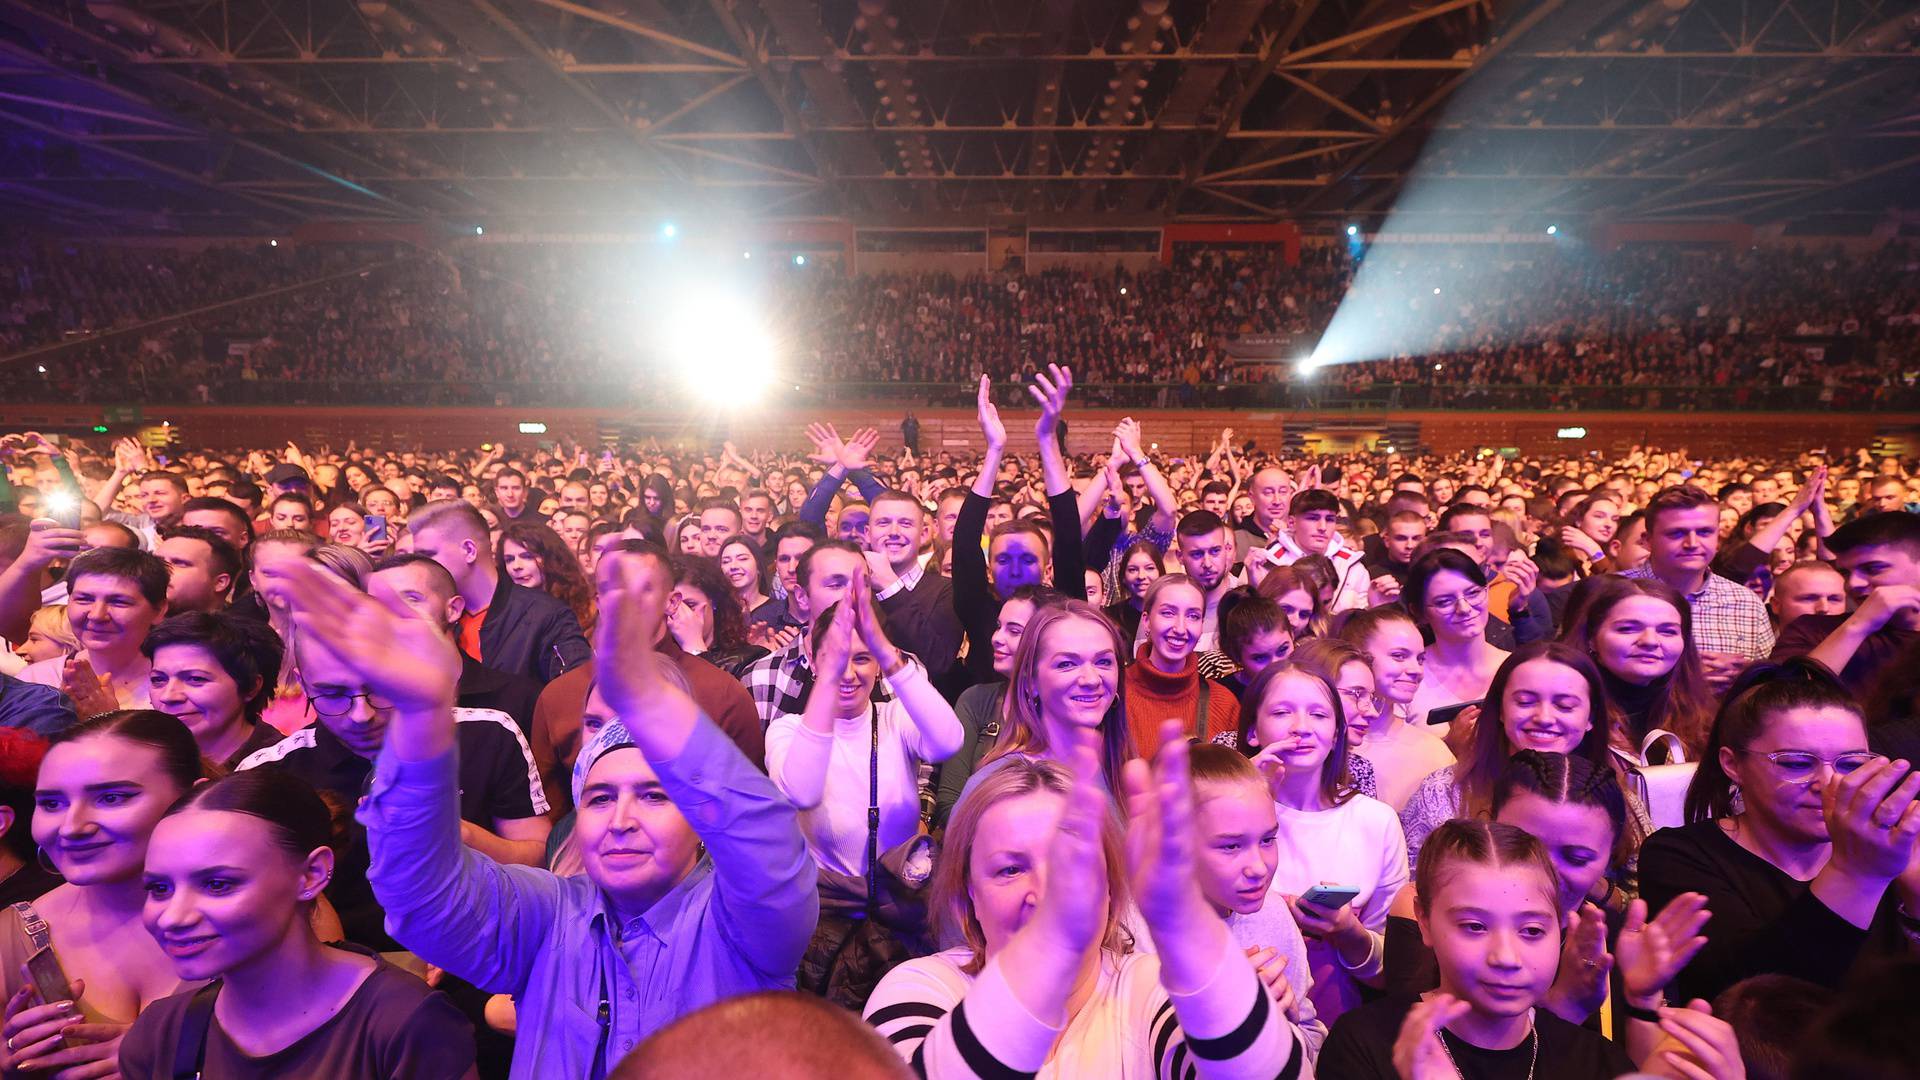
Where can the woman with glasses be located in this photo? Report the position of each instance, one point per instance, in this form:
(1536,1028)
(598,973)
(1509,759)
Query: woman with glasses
(1800,837)
(1447,593)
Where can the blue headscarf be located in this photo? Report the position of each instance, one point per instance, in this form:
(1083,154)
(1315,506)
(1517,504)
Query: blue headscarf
(613,736)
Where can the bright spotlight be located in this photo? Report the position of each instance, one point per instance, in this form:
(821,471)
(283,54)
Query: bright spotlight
(668,230)
(721,346)
(746,254)
(1553,230)
(799,260)
(1123,290)
(1436,290)
(1353,230)
(41,368)
(273,243)
(478,231)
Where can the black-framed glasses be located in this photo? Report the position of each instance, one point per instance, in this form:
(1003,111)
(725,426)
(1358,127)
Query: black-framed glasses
(1801,766)
(337,704)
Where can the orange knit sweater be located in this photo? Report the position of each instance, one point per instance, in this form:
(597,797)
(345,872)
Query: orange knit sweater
(1153,696)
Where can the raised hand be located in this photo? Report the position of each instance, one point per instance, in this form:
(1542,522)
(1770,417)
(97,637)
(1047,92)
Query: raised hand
(399,655)
(1074,905)
(48,542)
(1160,840)
(1584,961)
(1523,573)
(1050,389)
(855,452)
(989,415)
(1873,819)
(835,650)
(867,624)
(633,599)
(1651,954)
(1418,1053)
(827,446)
(1127,434)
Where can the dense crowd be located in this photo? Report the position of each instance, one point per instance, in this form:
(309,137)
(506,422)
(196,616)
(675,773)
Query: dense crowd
(568,761)
(532,321)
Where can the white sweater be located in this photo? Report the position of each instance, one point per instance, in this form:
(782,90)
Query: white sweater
(1357,843)
(1130,1029)
(827,776)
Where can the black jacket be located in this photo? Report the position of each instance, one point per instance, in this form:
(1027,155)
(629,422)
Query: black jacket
(530,633)
(482,687)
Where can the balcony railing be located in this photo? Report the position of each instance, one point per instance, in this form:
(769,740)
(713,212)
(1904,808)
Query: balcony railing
(17,388)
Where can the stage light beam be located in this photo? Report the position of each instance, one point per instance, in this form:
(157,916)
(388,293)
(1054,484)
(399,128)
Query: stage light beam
(721,346)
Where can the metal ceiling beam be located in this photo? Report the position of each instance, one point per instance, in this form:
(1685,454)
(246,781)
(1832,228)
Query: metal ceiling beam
(591,14)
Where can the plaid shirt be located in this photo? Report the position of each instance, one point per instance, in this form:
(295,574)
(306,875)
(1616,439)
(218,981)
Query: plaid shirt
(1727,616)
(780,682)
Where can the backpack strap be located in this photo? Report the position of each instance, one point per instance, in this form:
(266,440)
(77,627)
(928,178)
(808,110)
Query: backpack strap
(190,1045)
(35,926)
(1203,699)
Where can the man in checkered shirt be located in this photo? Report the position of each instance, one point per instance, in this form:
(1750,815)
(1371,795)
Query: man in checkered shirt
(780,682)
(1730,624)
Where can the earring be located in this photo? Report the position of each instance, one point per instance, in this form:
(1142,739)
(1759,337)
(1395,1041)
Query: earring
(46,862)
(1736,802)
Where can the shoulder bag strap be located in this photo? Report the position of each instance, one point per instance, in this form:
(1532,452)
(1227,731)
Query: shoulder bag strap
(873,813)
(34,925)
(190,1046)
(1203,699)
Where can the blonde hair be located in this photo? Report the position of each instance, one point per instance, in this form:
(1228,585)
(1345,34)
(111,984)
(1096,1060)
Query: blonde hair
(51,622)
(950,899)
(1021,730)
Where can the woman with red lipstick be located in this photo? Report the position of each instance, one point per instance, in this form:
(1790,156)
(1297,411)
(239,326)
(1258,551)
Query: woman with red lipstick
(1800,836)
(1546,697)
(1329,834)
(102,788)
(232,874)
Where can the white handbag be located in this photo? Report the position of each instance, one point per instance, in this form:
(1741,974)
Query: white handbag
(1662,789)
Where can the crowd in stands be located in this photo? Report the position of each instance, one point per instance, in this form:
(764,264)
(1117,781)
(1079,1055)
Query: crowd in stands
(623,761)
(527,322)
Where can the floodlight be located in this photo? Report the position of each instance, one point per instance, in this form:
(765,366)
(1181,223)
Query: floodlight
(478,231)
(1553,230)
(1353,230)
(799,260)
(720,345)
(668,230)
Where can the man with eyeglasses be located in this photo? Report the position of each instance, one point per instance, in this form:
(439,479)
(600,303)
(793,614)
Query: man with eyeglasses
(503,805)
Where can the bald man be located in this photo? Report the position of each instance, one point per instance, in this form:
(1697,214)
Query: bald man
(794,1036)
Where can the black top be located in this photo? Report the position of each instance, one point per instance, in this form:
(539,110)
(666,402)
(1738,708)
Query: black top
(27,884)
(1882,647)
(1763,920)
(1635,702)
(921,621)
(498,781)
(529,633)
(973,598)
(1360,1047)
(483,687)
(392,1026)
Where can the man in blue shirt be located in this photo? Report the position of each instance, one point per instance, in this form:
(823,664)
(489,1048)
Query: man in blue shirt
(43,710)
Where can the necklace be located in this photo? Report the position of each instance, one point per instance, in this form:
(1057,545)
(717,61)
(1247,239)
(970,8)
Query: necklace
(1533,1036)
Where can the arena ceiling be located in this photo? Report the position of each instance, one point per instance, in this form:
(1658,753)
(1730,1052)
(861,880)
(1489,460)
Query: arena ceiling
(247,115)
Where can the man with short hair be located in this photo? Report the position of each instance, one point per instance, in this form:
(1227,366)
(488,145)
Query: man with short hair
(222,517)
(1313,528)
(1880,556)
(791,542)
(1398,541)
(425,587)
(443,488)
(1730,624)
(292,511)
(1272,492)
(1807,588)
(504,625)
(574,496)
(719,518)
(756,514)
(201,567)
(114,596)
(1886,495)
(917,601)
(1205,550)
(161,495)
(780,682)
(510,493)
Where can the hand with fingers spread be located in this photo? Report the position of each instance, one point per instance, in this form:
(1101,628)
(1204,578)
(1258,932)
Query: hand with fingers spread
(1418,1053)
(1873,819)
(1652,953)
(1697,1045)
(855,452)
(827,446)
(90,692)
(1581,984)
(989,416)
(633,588)
(1050,389)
